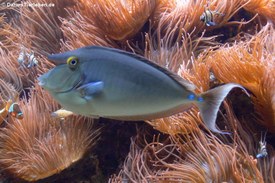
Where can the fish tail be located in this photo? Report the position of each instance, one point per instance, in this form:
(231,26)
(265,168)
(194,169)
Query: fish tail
(209,103)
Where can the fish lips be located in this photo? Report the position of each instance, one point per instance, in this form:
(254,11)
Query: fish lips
(42,81)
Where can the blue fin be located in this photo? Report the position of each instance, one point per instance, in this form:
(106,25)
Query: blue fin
(210,23)
(88,90)
(209,103)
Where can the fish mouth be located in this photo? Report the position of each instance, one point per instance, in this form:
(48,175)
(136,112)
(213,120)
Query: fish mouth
(79,82)
(42,82)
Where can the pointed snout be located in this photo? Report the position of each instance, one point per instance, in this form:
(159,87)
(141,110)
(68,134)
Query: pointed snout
(42,80)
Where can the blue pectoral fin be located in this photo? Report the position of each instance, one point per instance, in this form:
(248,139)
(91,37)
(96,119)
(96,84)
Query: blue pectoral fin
(209,104)
(88,90)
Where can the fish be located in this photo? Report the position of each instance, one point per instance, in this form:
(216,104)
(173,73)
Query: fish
(11,108)
(208,17)
(15,111)
(97,81)
(32,61)
(262,151)
(61,113)
(26,59)
(5,110)
(21,57)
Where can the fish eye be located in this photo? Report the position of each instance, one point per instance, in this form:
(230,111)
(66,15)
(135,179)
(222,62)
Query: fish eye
(72,62)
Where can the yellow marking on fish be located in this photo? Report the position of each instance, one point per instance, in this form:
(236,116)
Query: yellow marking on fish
(72,62)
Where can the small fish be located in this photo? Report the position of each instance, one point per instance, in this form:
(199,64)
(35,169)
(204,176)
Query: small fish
(5,110)
(21,57)
(61,113)
(262,151)
(115,84)
(208,17)
(15,111)
(32,61)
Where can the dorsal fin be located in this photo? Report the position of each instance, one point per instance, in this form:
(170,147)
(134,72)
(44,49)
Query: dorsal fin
(189,86)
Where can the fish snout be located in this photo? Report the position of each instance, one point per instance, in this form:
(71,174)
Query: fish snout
(42,81)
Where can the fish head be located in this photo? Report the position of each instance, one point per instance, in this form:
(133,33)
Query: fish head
(66,75)
(15,111)
(202,17)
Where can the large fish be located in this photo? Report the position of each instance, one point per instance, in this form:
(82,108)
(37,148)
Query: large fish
(111,83)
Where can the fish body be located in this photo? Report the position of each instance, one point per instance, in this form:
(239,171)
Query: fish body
(105,82)
(262,151)
(32,61)
(61,113)
(5,110)
(15,111)
(26,59)
(11,108)
(208,17)
(21,57)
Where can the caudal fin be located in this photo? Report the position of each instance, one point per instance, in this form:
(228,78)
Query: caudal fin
(209,104)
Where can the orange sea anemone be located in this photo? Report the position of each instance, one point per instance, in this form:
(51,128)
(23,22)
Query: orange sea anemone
(6,38)
(198,157)
(79,31)
(191,158)
(8,71)
(263,7)
(39,27)
(186,14)
(132,16)
(183,123)
(95,22)
(251,64)
(39,146)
